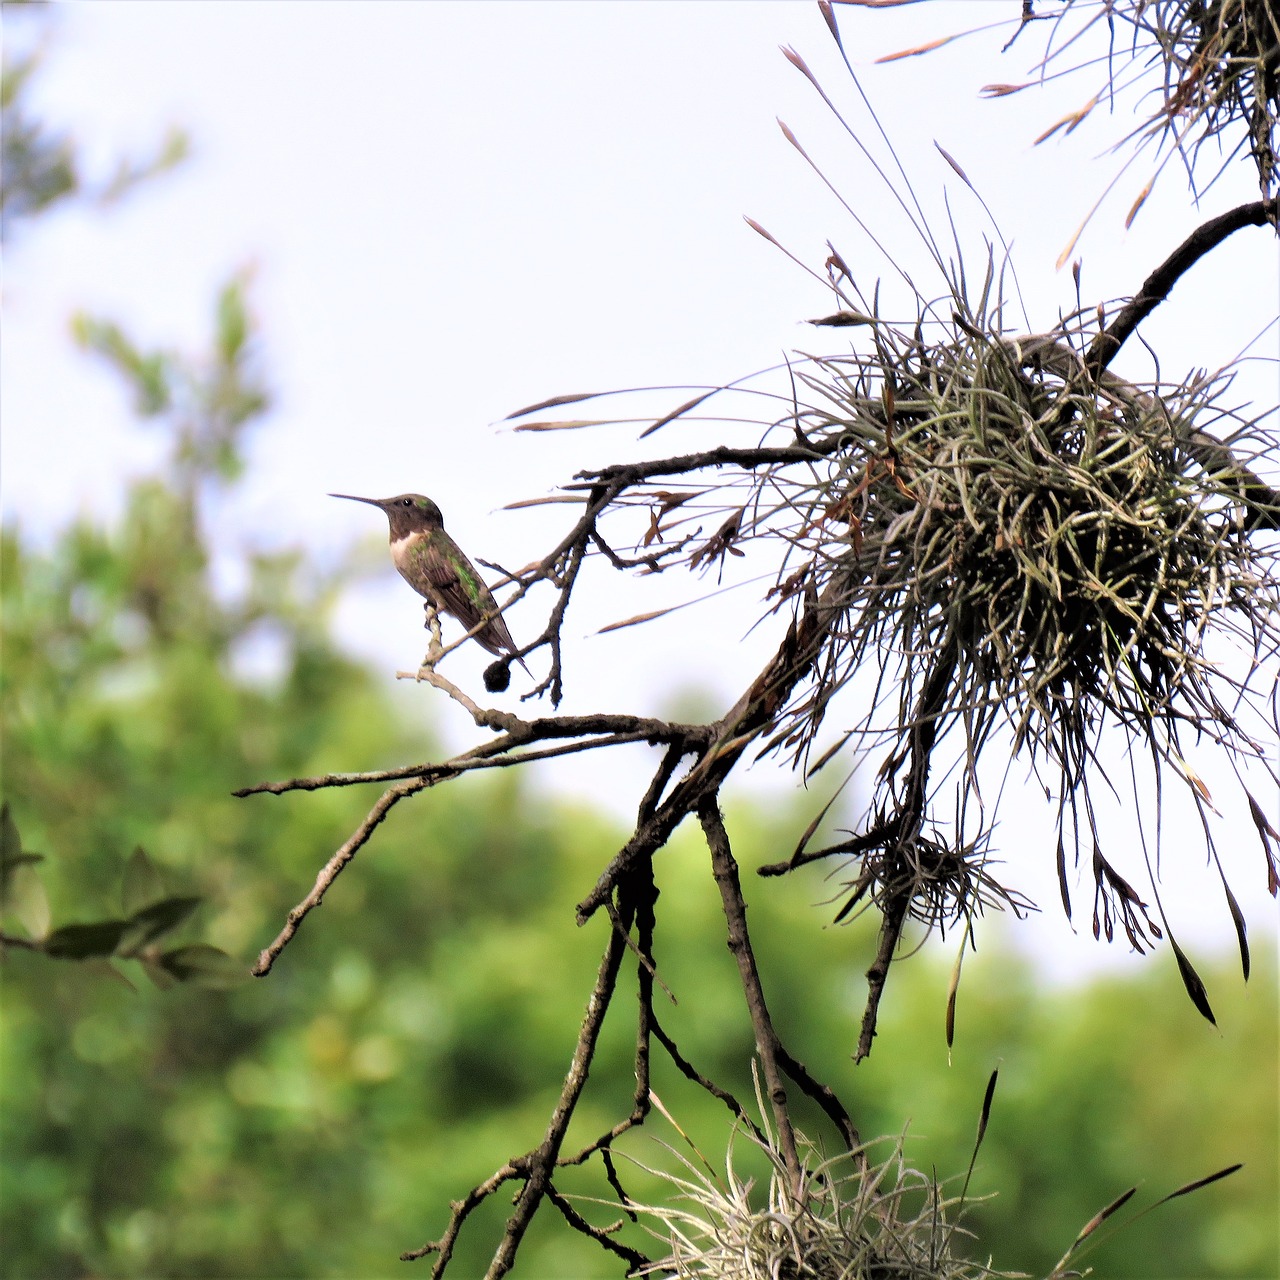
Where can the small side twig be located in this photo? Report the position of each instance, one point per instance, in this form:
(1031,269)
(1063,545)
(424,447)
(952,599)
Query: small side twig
(435,649)
(825,1097)
(603,1236)
(460,1211)
(690,1072)
(331,870)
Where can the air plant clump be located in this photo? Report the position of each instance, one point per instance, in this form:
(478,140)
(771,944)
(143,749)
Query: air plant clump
(1205,71)
(1005,536)
(1220,63)
(849,1220)
(1049,535)
(1008,536)
(1011,537)
(941,881)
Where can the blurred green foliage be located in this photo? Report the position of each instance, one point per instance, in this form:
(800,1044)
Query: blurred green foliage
(148,914)
(39,167)
(413,1037)
(41,164)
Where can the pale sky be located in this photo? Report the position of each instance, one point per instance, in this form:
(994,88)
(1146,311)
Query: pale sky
(456,209)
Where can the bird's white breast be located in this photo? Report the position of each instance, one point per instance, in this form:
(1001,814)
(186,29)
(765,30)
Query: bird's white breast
(400,546)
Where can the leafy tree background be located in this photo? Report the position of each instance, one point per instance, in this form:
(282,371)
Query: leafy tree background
(311,1123)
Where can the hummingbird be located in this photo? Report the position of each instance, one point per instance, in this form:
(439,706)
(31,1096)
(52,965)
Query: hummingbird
(434,566)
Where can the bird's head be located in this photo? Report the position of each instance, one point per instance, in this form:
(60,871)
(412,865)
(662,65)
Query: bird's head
(407,512)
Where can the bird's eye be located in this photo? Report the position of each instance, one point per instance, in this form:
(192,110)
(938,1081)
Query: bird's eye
(408,502)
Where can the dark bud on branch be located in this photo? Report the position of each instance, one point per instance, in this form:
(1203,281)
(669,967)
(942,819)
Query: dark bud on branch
(497,676)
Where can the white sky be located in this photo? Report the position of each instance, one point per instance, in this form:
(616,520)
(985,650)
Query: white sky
(455,209)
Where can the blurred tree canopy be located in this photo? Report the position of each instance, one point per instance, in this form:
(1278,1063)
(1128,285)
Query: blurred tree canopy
(297,1126)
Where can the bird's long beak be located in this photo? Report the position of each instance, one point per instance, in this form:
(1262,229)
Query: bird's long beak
(351,497)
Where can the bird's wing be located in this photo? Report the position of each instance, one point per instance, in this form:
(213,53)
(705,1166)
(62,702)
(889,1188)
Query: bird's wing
(463,594)
(442,576)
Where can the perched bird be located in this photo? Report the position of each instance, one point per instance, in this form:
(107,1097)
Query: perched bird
(433,565)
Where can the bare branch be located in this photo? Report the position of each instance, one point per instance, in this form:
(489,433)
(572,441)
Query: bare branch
(725,869)
(612,730)
(624,475)
(540,1162)
(1155,288)
(894,914)
(730,736)
(641,897)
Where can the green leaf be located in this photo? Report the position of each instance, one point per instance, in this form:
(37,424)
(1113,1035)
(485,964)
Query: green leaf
(157,919)
(11,854)
(205,966)
(103,968)
(10,840)
(142,884)
(78,941)
(27,902)
(233,322)
(159,975)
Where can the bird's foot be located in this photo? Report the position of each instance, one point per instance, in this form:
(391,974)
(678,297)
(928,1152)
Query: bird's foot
(435,650)
(434,654)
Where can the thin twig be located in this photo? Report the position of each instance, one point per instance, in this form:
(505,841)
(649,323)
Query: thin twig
(690,1072)
(613,730)
(536,1166)
(603,1236)
(331,869)
(460,1211)
(826,1098)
